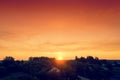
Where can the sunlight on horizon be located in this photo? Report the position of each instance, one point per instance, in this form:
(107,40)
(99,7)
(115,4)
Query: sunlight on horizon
(60,58)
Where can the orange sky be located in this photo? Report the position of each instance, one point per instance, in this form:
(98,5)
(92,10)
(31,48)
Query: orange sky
(55,28)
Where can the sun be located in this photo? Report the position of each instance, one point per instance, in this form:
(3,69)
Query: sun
(60,58)
(60,61)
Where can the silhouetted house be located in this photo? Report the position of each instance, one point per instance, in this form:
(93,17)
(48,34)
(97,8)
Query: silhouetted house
(54,74)
(55,70)
(83,78)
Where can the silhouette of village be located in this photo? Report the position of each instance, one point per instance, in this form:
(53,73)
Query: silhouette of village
(44,68)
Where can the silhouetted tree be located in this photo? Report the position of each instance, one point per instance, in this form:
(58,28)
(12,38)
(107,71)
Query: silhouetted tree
(8,60)
(82,59)
(37,68)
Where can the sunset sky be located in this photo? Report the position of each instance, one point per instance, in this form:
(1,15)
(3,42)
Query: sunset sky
(54,28)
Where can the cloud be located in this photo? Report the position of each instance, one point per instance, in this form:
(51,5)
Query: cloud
(109,46)
(78,46)
(63,46)
(6,35)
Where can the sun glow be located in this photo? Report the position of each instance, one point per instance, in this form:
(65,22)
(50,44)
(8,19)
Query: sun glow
(60,58)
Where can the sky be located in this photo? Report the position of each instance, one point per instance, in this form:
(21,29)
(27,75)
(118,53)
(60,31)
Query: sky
(55,28)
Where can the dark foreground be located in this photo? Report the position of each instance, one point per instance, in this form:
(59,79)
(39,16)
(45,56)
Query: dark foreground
(44,68)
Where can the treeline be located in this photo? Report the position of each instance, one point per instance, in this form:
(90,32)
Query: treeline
(44,68)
